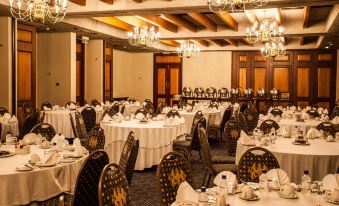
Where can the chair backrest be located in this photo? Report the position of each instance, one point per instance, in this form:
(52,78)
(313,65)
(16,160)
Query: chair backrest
(141,110)
(127,149)
(244,106)
(276,112)
(132,100)
(3,110)
(161,106)
(314,106)
(173,113)
(213,104)
(27,109)
(95,139)
(205,151)
(69,103)
(75,132)
(95,102)
(45,104)
(30,121)
(113,187)
(241,120)
(231,135)
(252,117)
(313,113)
(198,115)
(171,172)
(267,108)
(122,109)
(129,169)
(111,112)
(327,127)
(195,144)
(253,161)
(116,107)
(86,187)
(267,125)
(225,118)
(149,108)
(335,112)
(42,115)
(45,129)
(81,128)
(89,115)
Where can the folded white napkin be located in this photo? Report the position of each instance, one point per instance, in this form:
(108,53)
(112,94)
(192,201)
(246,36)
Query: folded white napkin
(103,104)
(186,193)
(230,179)
(176,119)
(293,108)
(56,107)
(245,139)
(31,138)
(305,116)
(107,118)
(335,120)
(188,107)
(182,120)
(137,103)
(236,107)
(308,108)
(279,175)
(76,142)
(325,111)
(50,159)
(57,137)
(72,106)
(313,133)
(98,108)
(7,116)
(215,109)
(140,116)
(13,119)
(330,182)
(284,132)
(47,108)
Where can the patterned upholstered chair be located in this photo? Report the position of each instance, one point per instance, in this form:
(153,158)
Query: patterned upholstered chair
(253,161)
(213,165)
(335,112)
(89,115)
(131,100)
(95,139)
(86,187)
(313,113)
(129,156)
(267,125)
(116,107)
(111,112)
(231,136)
(225,118)
(3,110)
(81,128)
(148,101)
(276,112)
(45,129)
(122,110)
(214,104)
(75,132)
(241,121)
(141,110)
(315,106)
(327,127)
(95,102)
(173,113)
(42,115)
(27,109)
(171,172)
(149,108)
(113,187)
(267,108)
(244,106)
(45,105)
(252,117)
(213,129)
(161,106)
(69,103)
(30,121)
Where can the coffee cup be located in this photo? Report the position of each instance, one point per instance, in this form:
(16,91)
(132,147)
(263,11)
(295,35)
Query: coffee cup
(287,190)
(35,158)
(335,194)
(330,138)
(247,192)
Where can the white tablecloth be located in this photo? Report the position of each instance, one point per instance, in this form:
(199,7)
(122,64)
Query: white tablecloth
(320,157)
(11,127)
(189,116)
(155,140)
(20,188)
(60,120)
(289,124)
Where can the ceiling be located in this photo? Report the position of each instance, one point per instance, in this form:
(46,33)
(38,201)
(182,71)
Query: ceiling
(308,24)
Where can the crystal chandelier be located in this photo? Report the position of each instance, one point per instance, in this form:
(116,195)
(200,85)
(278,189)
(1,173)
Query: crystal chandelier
(188,50)
(272,49)
(143,36)
(266,32)
(38,10)
(217,6)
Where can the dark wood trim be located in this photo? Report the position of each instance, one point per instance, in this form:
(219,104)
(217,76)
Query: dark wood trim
(14,60)
(81,57)
(107,59)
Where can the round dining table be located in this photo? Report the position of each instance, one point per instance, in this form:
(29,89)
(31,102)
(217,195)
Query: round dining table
(319,157)
(39,184)
(11,127)
(189,116)
(289,124)
(155,140)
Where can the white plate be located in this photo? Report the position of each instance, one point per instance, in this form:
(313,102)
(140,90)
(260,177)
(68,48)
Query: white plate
(294,196)
(331,201)
(304,144)
(185,204)
(8,155)
(254,198)
(23,168)
(66,160)
(42,165)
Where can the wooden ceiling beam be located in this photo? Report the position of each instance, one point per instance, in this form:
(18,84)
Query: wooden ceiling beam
(245,41)
(156,20)
(171,43)
(79,2)
(202,42)
(233,42)
(278,17)
(115,22)
(137,22)
(250,14)
(228,20)
(138,1)
(306,16)
(108,1)
(219,42)
(204,20)
(179,21)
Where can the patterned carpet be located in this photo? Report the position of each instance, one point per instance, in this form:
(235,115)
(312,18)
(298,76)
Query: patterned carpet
(144,190)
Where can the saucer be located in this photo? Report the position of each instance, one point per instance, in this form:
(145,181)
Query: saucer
(9,154)
(297,143)
(23,168)
(254,198)
(294,196)
(331,201)
(44,165)
(68,160)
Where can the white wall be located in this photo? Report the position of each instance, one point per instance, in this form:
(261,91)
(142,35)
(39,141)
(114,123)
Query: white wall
(94,70)
(208,69)
(56,63)
(6,63)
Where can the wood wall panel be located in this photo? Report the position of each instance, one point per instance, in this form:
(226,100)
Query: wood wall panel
(303,82)
(281,79)
(304,57)
(259,78)
(24,69)
(174,81)
(107,76)
(25,36)
(242,78)
(324,82)
(325,57)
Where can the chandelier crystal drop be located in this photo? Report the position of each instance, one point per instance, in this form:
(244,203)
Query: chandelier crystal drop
(143,36)
(265,32)
(231,6)
(188,50)
(272,49)
(52,11)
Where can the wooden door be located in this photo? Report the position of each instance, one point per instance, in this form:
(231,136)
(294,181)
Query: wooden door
(80,72)
(167,78)
(26,68)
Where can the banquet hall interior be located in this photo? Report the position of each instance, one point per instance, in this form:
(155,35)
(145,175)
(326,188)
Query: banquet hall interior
(169,102)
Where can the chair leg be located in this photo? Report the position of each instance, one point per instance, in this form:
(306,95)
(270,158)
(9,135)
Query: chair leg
(208,180)
(205,175)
